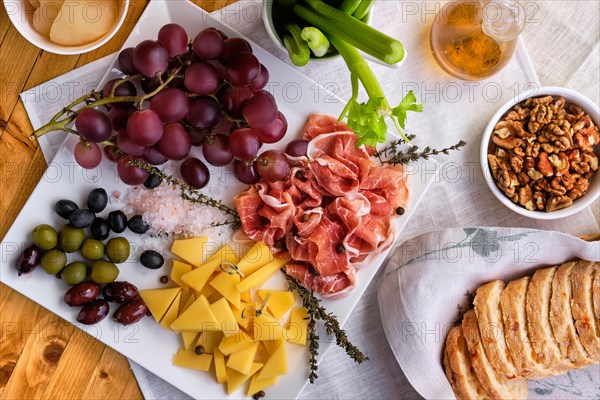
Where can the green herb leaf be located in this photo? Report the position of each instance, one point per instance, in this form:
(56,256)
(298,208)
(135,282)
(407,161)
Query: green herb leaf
(368,121)
(408,103)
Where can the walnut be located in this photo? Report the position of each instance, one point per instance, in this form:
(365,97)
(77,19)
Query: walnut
(529,163)
(557,202)
(500,153)
(544,166)
(533,149)
(516,163)
(540,200)
(560,162)
(591,159)
(518,113)
(556,137)
(508,143)
(523,178)
(504,129)
(533,174)
(534,101)
(568,180)
(556,185)
(574,113)
(579,189)
(586,134)
(526,198)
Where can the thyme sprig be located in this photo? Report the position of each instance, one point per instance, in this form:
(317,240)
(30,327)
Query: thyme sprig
(393,153)
(190,193)
(332,327)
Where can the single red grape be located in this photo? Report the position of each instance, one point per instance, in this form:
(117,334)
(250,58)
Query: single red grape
(242,68)
(216,151)
(144,128)
(273,165)
(153,156)
(244,144)
(194,172)
(127,146)
(201,78)
(170,104)
(204,113)
(208,44)
(126,61)
(234,98)
(233,46)
(150,58)
(297,148)
(260,109)
(93,125)
(274,131)
(245,172)
(131,174)
(173,38)
(87,154)
(175,143)
(261,81)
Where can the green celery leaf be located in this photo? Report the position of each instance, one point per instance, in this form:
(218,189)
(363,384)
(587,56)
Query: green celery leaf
(367,122)
(408,103)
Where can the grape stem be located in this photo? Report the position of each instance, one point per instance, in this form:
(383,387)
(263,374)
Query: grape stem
(58,124)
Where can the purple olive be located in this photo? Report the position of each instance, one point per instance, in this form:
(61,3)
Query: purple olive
(28,260)
(93,312)
(81,294)
(119,292)
(131,312)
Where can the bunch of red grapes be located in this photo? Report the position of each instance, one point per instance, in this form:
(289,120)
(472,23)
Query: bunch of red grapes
(216,100)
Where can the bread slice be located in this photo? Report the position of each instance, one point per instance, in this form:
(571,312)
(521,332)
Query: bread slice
(495,384)
(537,307)
(459,371)
(513,300)
(561,318)
(582,307)
(491,327)
(596,296)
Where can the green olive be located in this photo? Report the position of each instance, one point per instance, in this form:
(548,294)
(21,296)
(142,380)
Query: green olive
(70,238)
(74,273)
(104,272)
(92,249)
(117,250)
(53,261)
(45,237)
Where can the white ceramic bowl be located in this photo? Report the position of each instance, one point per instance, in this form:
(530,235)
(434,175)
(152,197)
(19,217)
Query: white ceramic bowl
(21,12)
(571,97)
(267,17)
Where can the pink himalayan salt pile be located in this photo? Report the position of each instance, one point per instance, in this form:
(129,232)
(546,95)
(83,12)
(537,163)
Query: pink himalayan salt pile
(166,212)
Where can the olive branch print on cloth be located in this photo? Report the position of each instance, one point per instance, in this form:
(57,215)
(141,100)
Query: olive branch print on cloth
(483,242)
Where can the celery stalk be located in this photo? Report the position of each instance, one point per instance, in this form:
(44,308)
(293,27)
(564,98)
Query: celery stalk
(360,35)
(363,9)
(349,6)
(317,42)
(296,46)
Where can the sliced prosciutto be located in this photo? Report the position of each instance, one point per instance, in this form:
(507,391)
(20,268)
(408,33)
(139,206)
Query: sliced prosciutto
(333,213)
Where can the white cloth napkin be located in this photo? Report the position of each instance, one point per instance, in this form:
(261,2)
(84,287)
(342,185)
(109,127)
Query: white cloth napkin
(424,288)
(454,110)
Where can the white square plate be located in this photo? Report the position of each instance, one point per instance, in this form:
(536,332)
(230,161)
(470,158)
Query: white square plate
(146,342)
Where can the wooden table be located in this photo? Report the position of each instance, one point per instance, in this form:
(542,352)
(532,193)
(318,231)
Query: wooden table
(41,355)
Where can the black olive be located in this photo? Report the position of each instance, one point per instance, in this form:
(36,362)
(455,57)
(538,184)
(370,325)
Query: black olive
(65,208)
(28,260)
(152,181)
(137,225)
(82,218)
(117,221)
(100,229)
(152,259)
(97,200)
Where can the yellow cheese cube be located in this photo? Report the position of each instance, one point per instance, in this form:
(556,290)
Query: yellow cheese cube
(189,359)
(198,278)
(262,275)
(235,379)
(231,344)
(258,256)
(246,297)
(220,371)
(256,385)
(185,304)
(210,340)
(265,327)
(198,317)
(189,339)
(242,360)
(225,284)
(179,269)
(208,290)
(276,364)
(237,312)
(225,316)
(172,313)
(158,301)
(190,250)
(262,355)
(272,345)
(216,296)
(279,301)
(297,330)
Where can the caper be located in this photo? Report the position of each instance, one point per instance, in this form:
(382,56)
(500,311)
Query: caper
(53,261)
(117,250)
(97,200)
(44,236)
(92,249)
(70,238)
(74,273)
(104,272)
